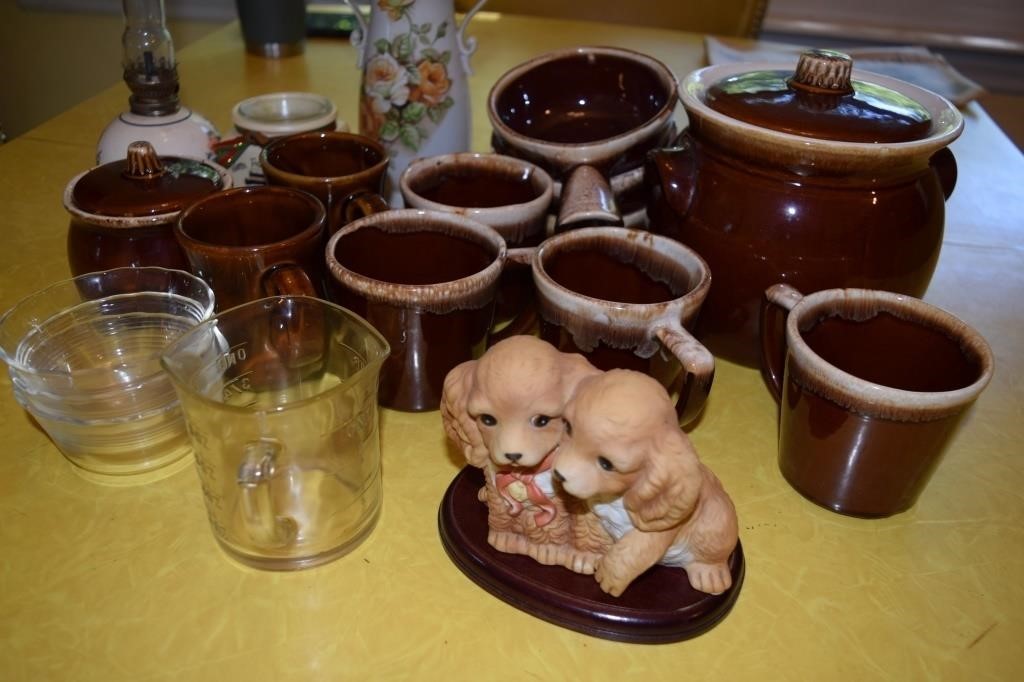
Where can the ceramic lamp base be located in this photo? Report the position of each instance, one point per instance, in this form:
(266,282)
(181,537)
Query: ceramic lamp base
(183,133)
(658,607)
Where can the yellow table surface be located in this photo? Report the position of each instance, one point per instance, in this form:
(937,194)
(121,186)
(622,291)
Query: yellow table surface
(127,583)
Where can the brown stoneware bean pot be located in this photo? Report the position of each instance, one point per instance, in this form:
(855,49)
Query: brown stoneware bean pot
(823,178)
(123,212)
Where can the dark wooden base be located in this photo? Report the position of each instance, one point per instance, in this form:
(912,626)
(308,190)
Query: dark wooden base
(658,607)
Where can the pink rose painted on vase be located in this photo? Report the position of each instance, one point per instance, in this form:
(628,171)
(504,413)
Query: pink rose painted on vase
(406,81)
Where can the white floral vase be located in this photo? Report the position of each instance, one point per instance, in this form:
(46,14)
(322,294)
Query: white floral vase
(414,97)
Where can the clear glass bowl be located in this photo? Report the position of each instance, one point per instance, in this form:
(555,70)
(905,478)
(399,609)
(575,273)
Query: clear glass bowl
(84,359)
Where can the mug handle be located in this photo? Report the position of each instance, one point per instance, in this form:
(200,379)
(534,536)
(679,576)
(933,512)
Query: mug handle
(586,200)
(698,369)
(255,473)
(525,319)
(360,205)
(300,339)
(776,304)
(286,279)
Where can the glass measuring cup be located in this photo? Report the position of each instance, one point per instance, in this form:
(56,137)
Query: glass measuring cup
(280,399)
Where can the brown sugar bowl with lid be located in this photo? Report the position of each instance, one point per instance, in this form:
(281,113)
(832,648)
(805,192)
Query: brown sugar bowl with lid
(828,177)
(123,212)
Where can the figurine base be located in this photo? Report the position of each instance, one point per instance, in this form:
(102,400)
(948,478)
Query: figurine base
(658,607)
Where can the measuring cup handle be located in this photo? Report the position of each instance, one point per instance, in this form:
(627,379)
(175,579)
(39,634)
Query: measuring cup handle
(255,475)
(776,304)
(698,369)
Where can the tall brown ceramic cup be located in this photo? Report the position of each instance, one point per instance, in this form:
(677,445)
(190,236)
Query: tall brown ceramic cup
(427,281)
(624,299)
(508,194)
(251,242)
(332,166)
(871,386)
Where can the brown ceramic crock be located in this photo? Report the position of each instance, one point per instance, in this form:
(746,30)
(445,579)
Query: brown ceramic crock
(827,177)
(123,212)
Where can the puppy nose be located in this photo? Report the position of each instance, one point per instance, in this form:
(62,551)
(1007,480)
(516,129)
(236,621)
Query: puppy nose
(557,475)
(513,456)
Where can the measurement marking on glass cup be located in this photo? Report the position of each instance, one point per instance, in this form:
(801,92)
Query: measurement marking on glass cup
(240,385)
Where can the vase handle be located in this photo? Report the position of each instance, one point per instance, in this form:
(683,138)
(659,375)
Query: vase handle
(467,46)
(359,34)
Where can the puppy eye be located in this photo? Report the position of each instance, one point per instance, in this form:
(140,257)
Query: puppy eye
(540,421)
(487,420)
(605,464)
(568,427)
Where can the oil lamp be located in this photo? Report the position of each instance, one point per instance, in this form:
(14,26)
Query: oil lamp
(155,113)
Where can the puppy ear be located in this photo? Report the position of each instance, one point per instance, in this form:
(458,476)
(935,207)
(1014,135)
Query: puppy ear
(575,368)
(669,484)
(459,426)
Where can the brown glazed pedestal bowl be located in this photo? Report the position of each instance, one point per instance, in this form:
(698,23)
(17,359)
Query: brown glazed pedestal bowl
(585,115)
(807,183)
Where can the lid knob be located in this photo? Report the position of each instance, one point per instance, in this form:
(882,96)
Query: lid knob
(823,71)
(143,162)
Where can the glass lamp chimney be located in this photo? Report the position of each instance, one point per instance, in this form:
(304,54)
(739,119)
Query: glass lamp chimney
(148,59)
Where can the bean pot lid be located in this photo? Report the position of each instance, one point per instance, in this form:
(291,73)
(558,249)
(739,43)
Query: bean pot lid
(820,100)
(144,184)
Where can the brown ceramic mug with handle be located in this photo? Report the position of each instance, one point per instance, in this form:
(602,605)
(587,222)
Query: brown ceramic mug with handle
(625,299)
(251,242)
(871,387)
(332,166)
(508,194)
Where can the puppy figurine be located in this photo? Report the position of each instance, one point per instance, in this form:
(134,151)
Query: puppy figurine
(624,453)
(505,412)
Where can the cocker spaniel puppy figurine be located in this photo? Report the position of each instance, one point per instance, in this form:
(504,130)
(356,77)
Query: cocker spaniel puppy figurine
(624,453)
(504,411)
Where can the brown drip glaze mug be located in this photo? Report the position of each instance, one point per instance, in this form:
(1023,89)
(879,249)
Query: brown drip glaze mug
(427,281)
(508,194)
(625,299)
(252,242)
(332,166)
(871,386)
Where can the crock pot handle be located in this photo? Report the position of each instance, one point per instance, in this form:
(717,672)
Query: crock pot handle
(944,164)
(670,176)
